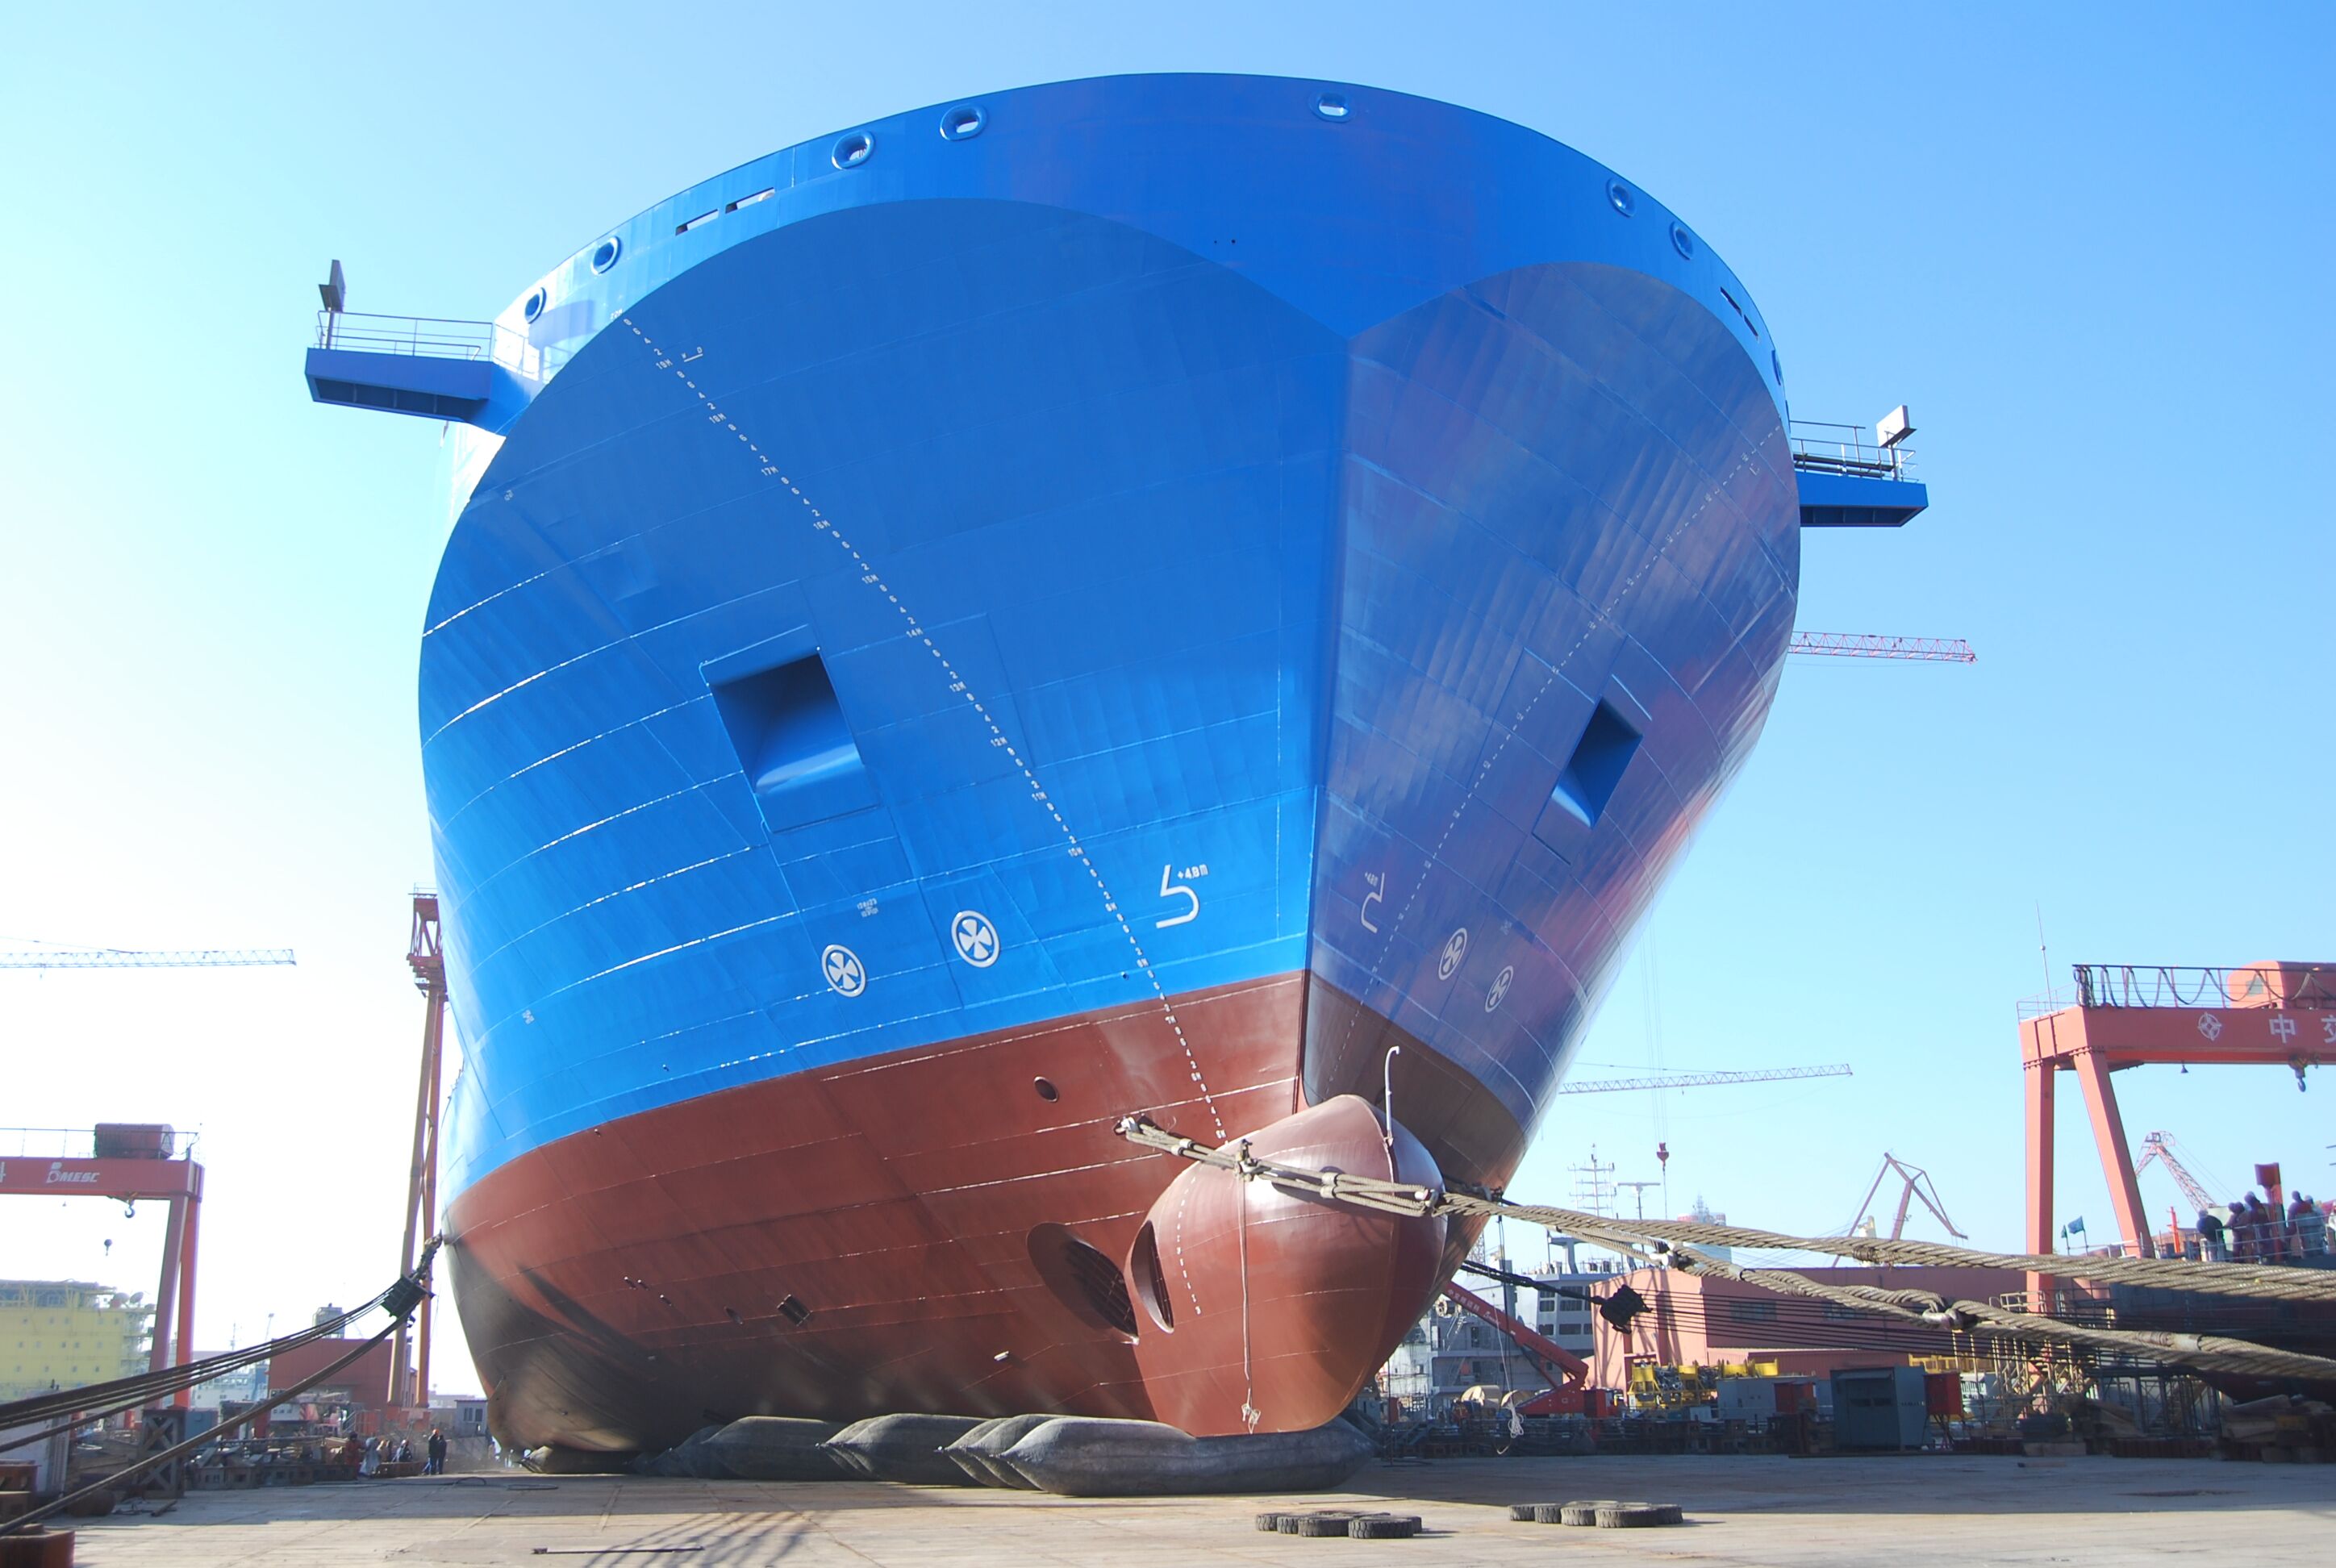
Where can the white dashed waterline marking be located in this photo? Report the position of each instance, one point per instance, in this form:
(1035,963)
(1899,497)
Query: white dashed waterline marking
(1182,1203)
(872,578)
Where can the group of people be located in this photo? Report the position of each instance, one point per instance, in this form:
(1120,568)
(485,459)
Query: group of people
(2256,1231)
(370,1454)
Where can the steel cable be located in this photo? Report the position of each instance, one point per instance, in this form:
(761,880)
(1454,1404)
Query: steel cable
(23,1521)
(407,1293)
(132,1392)
(1678,1240)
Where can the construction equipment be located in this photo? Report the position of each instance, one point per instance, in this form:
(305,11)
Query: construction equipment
(1867,644)
(1918,1185)
(425,956)
(2159,1146)
(135,958)
(1567,1374)
(130,1161)
(126,1162)
(1522,1281)
(1699,1080)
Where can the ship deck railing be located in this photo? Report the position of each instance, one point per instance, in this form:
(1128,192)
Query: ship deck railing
(437,337)
(1821,448)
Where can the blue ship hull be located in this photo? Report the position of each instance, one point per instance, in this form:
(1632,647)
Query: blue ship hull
(1069,556)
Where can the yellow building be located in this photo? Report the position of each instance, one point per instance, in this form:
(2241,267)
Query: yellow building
(64,1333)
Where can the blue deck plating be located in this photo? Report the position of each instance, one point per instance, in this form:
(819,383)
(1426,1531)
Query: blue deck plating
(1187,529)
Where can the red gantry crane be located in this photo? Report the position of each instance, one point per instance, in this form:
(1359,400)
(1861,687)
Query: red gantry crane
(127,1162)
(2270,1014)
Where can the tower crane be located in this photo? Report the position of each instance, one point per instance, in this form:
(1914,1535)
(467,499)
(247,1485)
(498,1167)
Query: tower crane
(2159,1146)
(1864,645)
(138,959)
(1698,1080)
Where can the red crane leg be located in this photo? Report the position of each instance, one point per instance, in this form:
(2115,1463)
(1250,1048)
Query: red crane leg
(2040,1077)
(436,1027)
(166,1294)
(187,1297)
(2117,1160)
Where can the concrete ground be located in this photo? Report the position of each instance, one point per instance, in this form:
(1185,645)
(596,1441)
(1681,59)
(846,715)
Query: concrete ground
(1902,1511)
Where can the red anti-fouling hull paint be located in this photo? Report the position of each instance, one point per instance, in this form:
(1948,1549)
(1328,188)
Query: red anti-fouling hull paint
(1265,1310)
(910,1232)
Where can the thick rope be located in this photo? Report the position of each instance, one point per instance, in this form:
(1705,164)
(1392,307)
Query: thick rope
(136,1392)
(1681,1243)
(2159,1273)
(399,1300)
(2280,1284)
(1969,1317)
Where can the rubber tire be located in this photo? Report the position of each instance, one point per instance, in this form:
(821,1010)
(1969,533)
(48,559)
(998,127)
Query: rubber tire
(1581,1513)
(1637,1516)
(1315,1525)
(1271,1522)
(1530,1513)
(1384,1527)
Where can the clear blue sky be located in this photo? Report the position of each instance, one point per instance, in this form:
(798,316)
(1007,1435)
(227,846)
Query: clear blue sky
(2089,246)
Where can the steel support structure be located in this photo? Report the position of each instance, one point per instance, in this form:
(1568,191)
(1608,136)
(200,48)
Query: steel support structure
(426,957)
(2243,1021)
(179,1182)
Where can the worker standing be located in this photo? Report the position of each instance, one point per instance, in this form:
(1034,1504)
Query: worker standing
(2309,1225)
(2241,1232)
(2263,1225)
(436,1449)
(2210,1237)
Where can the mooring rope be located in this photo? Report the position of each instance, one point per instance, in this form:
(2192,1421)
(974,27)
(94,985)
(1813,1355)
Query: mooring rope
(399,1300)
(2160,1274)
(1682,1240)
(2164,1274)
(135,1392)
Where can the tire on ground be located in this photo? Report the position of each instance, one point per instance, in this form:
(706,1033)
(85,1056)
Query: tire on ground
(1582,1513)
(1527,1512)
(1384,1527)
(1637,1516)
(1319,1524)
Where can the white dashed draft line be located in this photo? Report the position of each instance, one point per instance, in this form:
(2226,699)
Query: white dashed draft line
(874,580)
(1182,1204)
(1601,616)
